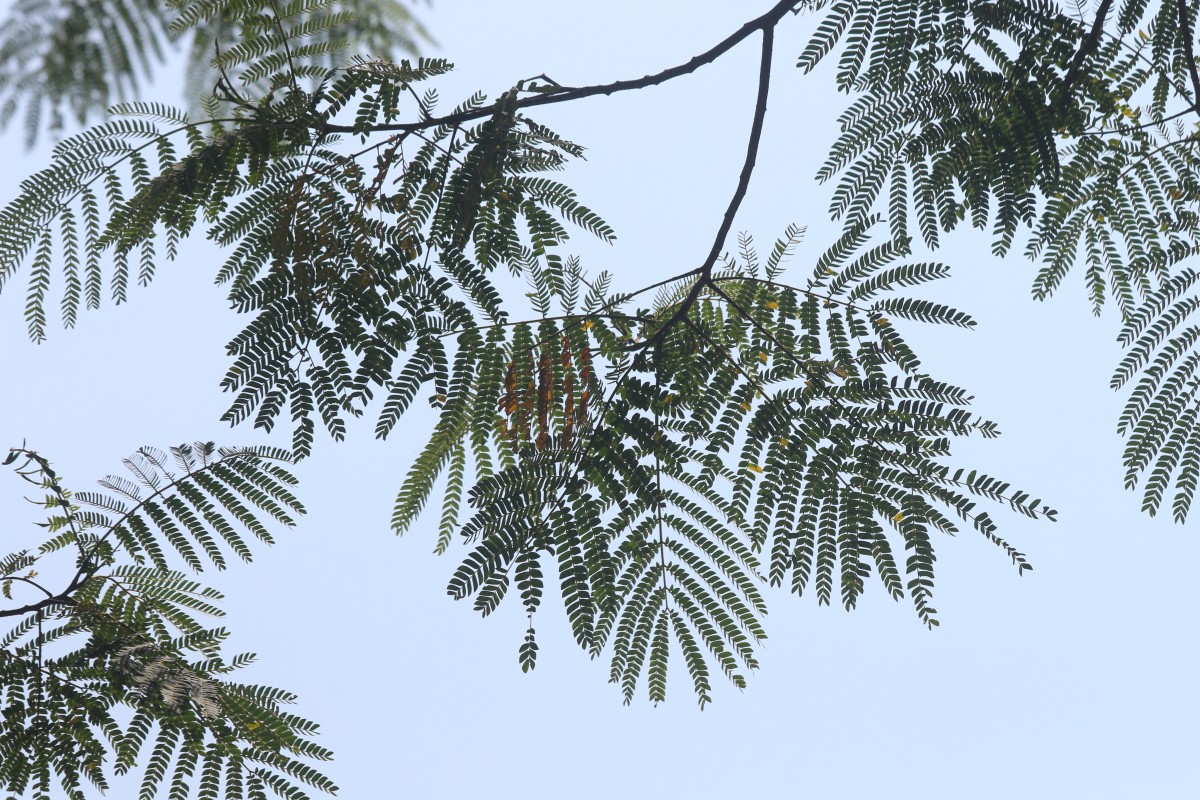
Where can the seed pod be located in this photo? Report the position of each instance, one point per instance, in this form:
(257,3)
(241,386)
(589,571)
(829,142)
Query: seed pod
(545,395)
(566,353)
(525,406)
(568,394)
(508,401)
(585,379)
(568,409)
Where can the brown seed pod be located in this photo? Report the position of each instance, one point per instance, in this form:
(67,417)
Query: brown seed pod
(568,408)
(508,401)
(566,353)
(545,395)
(585,378)
(525,408)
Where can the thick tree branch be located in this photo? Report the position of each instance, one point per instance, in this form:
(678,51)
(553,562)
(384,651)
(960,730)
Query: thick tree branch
(764,23)
(704,271)
(62,598)
(1185,32)
(1088,45)
(756,128)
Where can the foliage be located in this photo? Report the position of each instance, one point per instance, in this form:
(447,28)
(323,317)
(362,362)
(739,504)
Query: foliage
(1017,115)
(123,634)
(69,61)
(666,453)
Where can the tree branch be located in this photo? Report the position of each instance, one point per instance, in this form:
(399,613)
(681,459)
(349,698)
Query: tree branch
(756,128)
(765,23)
(1185,31)
(1088,45)
(704,271)
(63,598)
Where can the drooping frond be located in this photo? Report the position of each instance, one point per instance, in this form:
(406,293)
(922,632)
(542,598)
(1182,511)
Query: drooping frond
(673,462)
(113,668)
(1014,115)
(1160,416)
(1080,126)
(341,266)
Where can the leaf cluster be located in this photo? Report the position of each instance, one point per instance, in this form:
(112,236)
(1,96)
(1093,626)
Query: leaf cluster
(67,62)
(665,460)
(1083,130)
(117,669)
(341,266)
(772,435)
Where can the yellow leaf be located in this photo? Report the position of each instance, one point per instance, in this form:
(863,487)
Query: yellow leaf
(754,468)
(762,357)
(587,324)
(899,516)
(841,372)
(784,441)
(1142,34)
(253,725)
(745,406)
(829,271)
(771,304)
(882,321)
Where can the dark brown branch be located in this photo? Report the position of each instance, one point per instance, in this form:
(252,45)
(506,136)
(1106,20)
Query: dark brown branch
(1185,32)
(62,598)
(704,271)
(764,23)
(84,572)
(756,128)
(30,582)
(1088,45)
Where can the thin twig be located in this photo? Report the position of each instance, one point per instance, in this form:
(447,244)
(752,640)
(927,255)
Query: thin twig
(287,50)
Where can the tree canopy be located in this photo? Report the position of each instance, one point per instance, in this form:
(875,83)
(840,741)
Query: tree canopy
(658,455)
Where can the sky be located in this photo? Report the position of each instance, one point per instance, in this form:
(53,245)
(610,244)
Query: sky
(1074,680)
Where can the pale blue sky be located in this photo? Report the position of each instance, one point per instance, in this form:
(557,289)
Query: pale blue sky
(1076,680)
